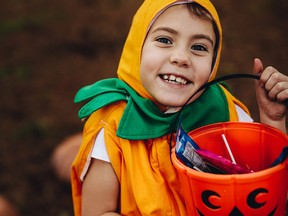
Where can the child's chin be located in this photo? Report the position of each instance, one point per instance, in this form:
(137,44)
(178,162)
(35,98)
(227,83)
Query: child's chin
(175,104)
(171,100)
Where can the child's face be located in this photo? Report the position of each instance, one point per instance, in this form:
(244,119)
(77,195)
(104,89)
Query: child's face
(177,56)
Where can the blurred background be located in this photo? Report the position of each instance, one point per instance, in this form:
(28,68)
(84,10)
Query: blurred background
(49,49)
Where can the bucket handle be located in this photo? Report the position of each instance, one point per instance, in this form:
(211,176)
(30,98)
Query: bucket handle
(227,77)
(206,85)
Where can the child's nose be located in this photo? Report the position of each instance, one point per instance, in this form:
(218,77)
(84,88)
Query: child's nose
(180,58)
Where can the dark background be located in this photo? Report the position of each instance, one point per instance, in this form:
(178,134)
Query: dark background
(49,49)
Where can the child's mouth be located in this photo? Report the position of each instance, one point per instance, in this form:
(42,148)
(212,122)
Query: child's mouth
(174,79)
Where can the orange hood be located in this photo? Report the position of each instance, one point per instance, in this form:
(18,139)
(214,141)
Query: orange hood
(129,65)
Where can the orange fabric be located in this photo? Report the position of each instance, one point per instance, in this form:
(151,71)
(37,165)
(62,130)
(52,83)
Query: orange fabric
(82,160)
(143,168)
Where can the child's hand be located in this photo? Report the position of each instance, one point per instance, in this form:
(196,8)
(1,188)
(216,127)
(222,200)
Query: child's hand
(271,93)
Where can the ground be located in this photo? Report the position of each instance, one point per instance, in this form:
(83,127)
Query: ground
(49,49)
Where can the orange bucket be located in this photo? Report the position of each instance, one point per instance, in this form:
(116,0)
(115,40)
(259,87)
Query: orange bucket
(263,192)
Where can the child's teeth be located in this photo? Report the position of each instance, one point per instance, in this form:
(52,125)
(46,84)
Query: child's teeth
(174,79)
(165,77)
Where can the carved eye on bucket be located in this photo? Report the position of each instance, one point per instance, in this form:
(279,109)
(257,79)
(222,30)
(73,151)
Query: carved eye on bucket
(252,198)
(206,195)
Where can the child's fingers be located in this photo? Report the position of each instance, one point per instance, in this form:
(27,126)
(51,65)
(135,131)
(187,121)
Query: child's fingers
(271,77)
(283,96)
(278,91)
(258,66)
(276,84)
(258,69)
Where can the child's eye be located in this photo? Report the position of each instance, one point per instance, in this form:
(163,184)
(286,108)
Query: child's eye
(199,47)
(164,40)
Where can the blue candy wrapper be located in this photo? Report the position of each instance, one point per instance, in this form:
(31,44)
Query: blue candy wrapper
(185,151)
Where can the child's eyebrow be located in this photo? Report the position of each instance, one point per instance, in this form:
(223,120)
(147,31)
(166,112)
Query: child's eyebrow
(202,36)
(196,36)
(170,30)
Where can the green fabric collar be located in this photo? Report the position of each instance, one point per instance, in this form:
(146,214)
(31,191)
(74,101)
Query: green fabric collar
(142,119)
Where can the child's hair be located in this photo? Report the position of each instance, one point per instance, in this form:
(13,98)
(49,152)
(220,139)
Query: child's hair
(202,13)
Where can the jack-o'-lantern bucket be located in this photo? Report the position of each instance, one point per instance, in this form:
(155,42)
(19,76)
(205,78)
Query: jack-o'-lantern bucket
(262,192)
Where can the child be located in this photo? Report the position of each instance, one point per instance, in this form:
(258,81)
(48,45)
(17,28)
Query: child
(123,166)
